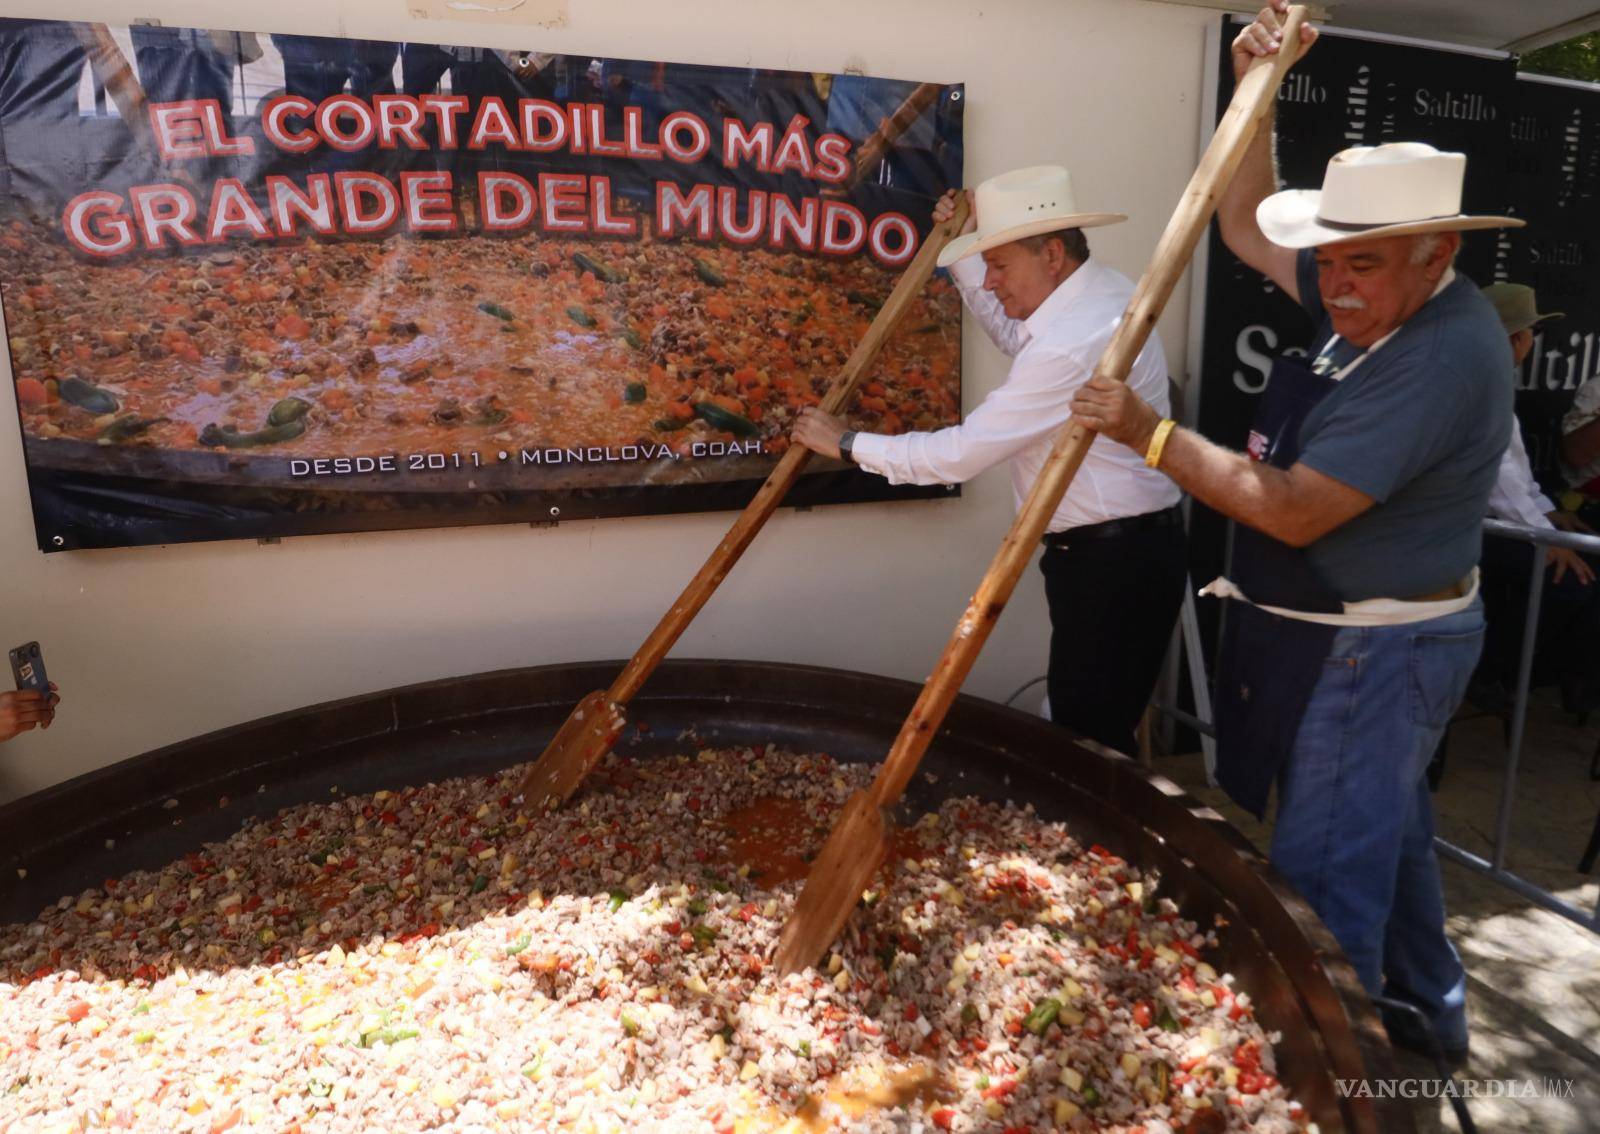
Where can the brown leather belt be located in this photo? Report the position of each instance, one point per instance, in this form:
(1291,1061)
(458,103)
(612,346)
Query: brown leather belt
(1454,591)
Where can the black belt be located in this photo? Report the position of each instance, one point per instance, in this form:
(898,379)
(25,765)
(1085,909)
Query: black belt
(1107,529)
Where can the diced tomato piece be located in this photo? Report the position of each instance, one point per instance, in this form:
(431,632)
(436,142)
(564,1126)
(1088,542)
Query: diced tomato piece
(31,393)
(77,1010)
(291,326)
(944,1118)
(1143,1014)
(1254,1082)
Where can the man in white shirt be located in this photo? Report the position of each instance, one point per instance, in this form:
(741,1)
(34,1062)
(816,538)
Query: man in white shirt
(1114,564)
(1564,647)
(1516,497)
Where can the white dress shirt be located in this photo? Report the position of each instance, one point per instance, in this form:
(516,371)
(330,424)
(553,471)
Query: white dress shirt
(1054,352)
(1585,408)
(1516,496)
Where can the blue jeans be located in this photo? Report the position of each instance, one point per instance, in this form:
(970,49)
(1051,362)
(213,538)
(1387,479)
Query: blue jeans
(1354,829)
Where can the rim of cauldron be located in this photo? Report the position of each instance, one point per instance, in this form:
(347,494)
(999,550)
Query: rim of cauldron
(160,805)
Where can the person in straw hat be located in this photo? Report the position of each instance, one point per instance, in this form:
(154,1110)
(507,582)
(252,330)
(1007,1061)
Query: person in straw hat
(1355,619)
(1567,616)
(1114,555)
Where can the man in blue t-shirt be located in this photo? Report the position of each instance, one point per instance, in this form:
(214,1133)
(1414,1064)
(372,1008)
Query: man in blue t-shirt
(1356,622)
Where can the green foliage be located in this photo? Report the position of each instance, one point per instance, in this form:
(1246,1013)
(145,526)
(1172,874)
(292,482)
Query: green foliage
(1571,59)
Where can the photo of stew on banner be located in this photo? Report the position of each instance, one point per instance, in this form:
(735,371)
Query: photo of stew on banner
(262,285)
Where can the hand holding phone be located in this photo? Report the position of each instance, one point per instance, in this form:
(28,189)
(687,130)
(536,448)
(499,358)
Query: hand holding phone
(34,702)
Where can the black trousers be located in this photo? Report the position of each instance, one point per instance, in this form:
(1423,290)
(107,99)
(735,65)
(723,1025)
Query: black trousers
(1113,602)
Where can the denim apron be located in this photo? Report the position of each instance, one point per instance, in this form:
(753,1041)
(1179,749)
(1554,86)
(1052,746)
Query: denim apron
(1269,664)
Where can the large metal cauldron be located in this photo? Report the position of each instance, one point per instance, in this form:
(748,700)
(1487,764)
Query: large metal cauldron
(1270,940)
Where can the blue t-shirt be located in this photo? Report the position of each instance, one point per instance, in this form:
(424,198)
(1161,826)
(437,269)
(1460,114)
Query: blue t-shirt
(1420,427)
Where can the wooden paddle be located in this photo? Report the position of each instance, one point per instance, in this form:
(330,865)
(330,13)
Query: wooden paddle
(860,840)
(113,72)
(875,146)
(597,721)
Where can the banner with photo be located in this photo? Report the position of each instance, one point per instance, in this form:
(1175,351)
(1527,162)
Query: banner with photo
(1555,187)
(1350,90)
(259,285)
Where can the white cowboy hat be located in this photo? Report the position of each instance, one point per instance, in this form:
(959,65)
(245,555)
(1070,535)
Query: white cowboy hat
(1024,202)
(1396,189)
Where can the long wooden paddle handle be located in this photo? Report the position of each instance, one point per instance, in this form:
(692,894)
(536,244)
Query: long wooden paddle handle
(782,478)
(876,144)
(1251,100)
(112,70)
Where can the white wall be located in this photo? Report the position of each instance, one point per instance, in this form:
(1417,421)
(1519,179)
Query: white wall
(152,645)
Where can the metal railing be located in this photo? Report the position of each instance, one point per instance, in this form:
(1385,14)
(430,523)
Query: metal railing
(1494,867)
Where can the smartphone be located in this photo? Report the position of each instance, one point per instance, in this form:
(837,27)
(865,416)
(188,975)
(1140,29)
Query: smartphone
(27,666)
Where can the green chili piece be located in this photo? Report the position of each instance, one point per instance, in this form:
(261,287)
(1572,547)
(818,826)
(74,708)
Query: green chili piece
(86,395)
(725,420)
(708,274)
(595,268)
(1043,1015)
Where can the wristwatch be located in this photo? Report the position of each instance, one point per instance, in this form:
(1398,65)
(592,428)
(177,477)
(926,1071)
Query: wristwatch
(847,441)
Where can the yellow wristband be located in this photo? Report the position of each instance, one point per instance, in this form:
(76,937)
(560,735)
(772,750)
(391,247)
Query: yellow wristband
(1158,442)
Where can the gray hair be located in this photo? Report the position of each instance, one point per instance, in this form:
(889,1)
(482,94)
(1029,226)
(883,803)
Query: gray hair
(1426,245)
(1072,240)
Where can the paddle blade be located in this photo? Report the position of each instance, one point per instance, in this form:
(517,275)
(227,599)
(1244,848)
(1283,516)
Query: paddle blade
(582,742)
(854,851)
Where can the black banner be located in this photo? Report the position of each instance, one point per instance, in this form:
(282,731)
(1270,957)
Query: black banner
(1555,187)
(267,285)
